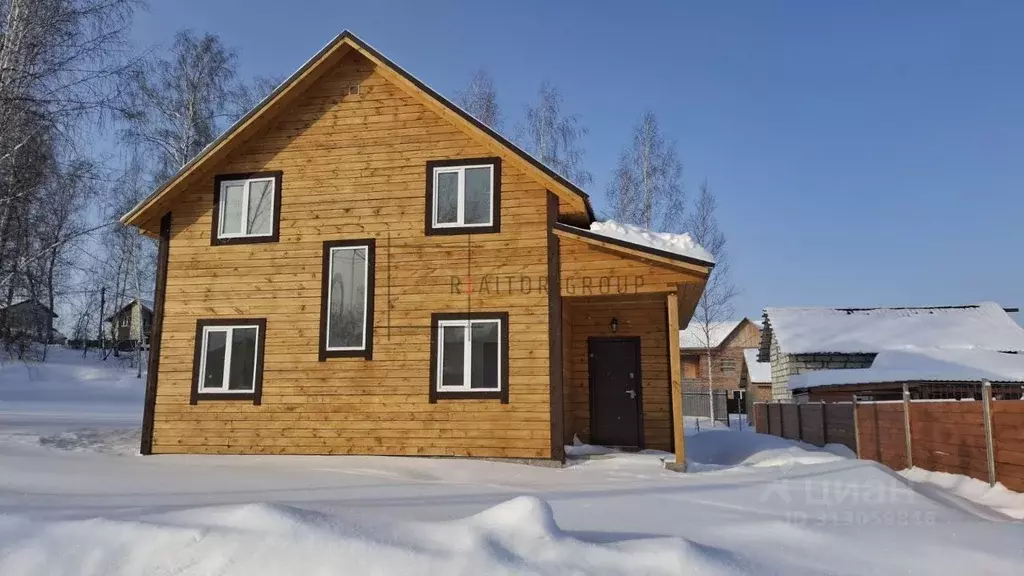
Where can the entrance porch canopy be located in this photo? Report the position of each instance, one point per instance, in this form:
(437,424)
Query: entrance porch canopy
(616,292)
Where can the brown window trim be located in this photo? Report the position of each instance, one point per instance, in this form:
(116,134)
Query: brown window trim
(215,240)
(371,272)
(257,394)
(495,226)
(435,394)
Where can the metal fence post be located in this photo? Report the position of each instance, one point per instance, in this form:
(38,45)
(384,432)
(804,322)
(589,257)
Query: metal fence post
(906,424)
(800,422)
(856,427)
(986,403)
(824,424)
(782,421)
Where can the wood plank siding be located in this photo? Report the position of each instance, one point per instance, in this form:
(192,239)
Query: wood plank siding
(353,167)
(643,317)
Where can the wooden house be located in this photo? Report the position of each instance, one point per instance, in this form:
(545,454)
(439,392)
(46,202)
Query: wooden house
(723,369)
(358,266)
(28,320)
(131,324)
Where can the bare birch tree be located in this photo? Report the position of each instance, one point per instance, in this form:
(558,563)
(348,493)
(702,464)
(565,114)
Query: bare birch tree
(716,303)
(554,138)
(245,97)
(646,189)
(480,99)
(61,62)
(178,104)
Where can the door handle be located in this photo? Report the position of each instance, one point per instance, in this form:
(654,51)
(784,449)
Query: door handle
(632,394)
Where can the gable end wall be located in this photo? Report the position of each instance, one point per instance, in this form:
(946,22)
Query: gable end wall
(354,167)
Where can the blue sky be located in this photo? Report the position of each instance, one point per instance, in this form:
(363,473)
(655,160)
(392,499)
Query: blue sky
(863,153)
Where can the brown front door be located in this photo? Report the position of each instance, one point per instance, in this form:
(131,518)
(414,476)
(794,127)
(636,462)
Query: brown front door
(615,391)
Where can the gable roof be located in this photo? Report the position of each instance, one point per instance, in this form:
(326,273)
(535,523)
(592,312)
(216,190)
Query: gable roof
(146,305)
(694,336)
(758,372)
(322,60)
(983,326)
(31,302)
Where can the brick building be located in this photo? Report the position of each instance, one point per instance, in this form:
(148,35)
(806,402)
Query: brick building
(835,349)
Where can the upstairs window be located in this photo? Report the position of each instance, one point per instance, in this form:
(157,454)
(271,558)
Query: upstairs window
(463,196)
(247,208)
(470,356)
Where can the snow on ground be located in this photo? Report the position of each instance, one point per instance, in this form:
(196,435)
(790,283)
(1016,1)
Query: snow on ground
(997,497)
(755,505)
(69,393)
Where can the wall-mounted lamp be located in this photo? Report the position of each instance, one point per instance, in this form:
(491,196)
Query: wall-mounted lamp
(615,325)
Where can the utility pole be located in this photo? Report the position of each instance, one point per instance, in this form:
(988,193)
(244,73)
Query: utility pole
(103,303)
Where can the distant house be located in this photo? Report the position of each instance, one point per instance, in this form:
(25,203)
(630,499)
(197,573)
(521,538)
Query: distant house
(27,318)
(756,379)
(727,341)
(939,352)
(130,321)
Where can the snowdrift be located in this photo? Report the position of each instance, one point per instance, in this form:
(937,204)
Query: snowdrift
(519,536)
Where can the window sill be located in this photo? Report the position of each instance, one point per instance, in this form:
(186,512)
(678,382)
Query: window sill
(460,230)
(470,395)
(236,396)
(215,241)
(366,354)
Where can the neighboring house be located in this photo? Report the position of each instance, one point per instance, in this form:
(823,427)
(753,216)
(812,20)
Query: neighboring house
(756,379)
(728,340)
(358,266)
(832,353)
(131,321)
(27,318)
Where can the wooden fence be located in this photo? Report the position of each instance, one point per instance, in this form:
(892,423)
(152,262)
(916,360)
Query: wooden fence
(944,435)
(819,423)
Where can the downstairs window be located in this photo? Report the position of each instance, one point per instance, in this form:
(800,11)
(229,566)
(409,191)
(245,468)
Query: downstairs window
(228,362)
(469,355)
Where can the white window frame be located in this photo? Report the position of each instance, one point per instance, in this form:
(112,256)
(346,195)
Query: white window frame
(460,210)
(467,359)
(246,192)
(330,289)
(225,377)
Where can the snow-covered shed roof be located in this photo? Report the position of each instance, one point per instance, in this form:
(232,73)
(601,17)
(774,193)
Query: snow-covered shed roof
(759,372)
(922,365)
(984,326)
(679,244)
(694,336)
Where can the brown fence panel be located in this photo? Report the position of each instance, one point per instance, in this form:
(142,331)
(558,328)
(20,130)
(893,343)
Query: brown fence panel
(812,428)
(775,419)
(761,418)
(949,437)
(1008,438)
(882,434)
(839,425)
(790,421)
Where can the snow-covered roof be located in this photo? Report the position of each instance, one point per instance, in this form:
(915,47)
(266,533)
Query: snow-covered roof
(983,326)
(922,365)
(695,335)
(681,244)
(759,372)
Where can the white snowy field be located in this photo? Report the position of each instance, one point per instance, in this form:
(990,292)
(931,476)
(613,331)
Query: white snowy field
(74,499)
